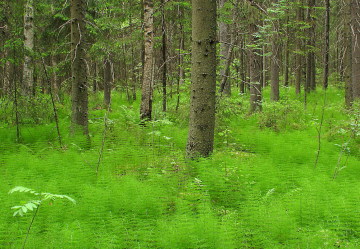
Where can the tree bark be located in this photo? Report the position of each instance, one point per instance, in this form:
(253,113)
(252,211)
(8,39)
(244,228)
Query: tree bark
(28,71)
(287,57)
(355,25)
(224,84)
(347,55)
(275,92)
(298,57)
(255,70)
(203,79)
(326,45)
(147,84)
(79,91)
(310,60)
(164,66)
(225,40)
(107,82)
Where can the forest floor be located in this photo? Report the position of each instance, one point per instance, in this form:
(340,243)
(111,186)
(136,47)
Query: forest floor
(259,189)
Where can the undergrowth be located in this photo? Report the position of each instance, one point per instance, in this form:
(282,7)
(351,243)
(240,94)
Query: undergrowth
(259,189)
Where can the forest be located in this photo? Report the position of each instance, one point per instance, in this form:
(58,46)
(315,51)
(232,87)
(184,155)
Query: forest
(179,124)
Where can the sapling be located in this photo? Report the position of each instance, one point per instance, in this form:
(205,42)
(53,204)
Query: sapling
(34,204)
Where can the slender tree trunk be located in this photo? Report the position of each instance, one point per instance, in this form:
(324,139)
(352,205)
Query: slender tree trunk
(242,67)
(275,92)
(147,84)
(164,66)
(264,67)
(298,58)
(310,60)
(355,24)
(255,71)
(347,55)
(224,36)
(326,47)
(224,84)
(181,57)
(107,82)
(79,91)
(28,72)
(287,42)
(132,55)
(203,79)
(55,81)
(95,70)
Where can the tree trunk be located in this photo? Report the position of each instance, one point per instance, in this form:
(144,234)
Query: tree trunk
(242,67)
(347,55)
(326,47)
(355,23)
(255,70)
(163,27)
(224,37)
(181,57)
(224,84)
(28,73)
(147,85)
(107,82)
(298,57)
(275,92)
(310,60)
(203,79)
(287,42)
(95,70)
(79,91)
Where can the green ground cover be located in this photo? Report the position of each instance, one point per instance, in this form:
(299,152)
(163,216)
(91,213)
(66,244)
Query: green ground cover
(258,190)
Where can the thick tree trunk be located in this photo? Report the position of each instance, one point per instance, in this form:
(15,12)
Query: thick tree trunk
(355,24)
(28,72)
(107,82)
(181,57)
(347,55)
(255,71)
(203,79)
(147,84)
(79,91)
(326,47)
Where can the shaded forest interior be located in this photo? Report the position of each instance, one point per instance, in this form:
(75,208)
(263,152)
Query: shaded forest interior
(179,124)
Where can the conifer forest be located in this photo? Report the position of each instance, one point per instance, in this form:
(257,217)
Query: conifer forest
(179,124)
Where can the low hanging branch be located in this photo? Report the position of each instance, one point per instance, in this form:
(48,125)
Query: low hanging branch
(52,99)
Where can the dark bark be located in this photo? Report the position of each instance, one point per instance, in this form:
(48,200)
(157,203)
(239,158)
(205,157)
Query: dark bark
(326,45)
(225,86)
(225,41)
(255,71)
(347,55)
(107,82)
(203,79)
(355,26)
(164,66)
(79,92)
(147,84)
